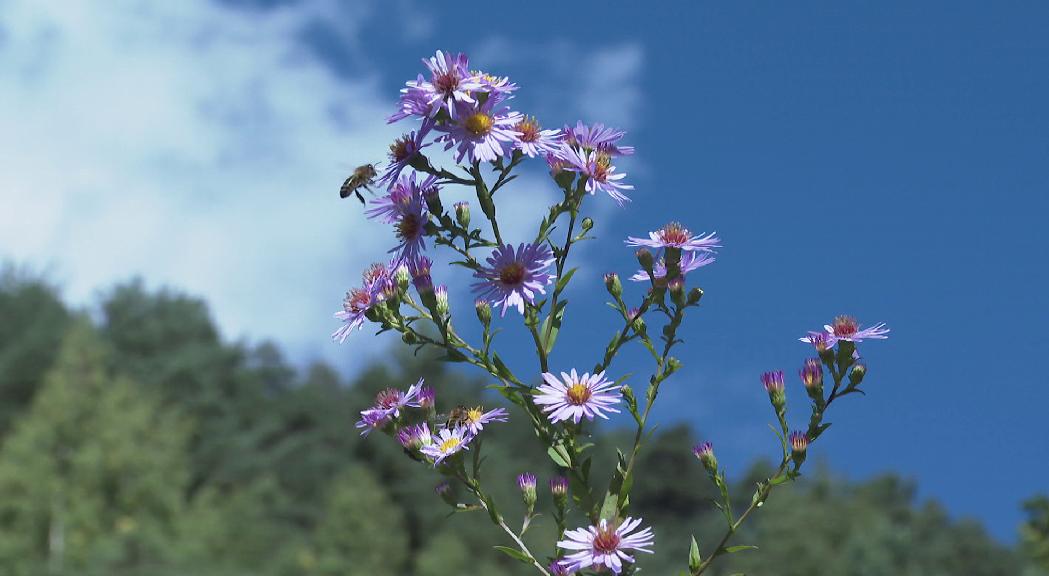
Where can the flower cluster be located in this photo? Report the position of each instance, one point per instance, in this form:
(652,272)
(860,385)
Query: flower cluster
(468,112)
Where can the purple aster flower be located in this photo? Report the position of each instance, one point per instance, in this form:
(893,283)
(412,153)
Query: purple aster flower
(450,82)
(605,545)
(482,132)
(415,101)
(391,400)
(574,397)
(597,137)
(378,284)
(494,84)
(426,397)
(675,235)
(405,207)
(845,328)
(533,140)
(812,374)
(372,420)
(512,278)
(689,262)
(448,442)
(601,174)
(476,418)
(415,436)
(799,441)
(401,153)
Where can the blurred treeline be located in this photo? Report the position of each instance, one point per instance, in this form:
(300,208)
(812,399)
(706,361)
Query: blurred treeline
(134,441)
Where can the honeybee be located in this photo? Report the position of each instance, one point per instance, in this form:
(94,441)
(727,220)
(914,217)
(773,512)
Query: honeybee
(362,177)
(459,416)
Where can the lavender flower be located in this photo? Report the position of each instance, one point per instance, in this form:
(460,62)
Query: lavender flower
(675,235)
(372,420)
(690,261)
(405,207)
(512,278)
(597,167)
(402,151)
(574,397)
(494,84)
(391,400)
(426,397)
(558,486)
(415,436)
(533,140)
(597,137)
(559,568)
(378,284)
(846,328)
(812,374)
(476,418)
(482,132)
(450,81)
(415,101)
(605,545)
(449,441)
(773,381)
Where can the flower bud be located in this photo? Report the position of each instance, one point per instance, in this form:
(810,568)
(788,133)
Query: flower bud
(559,490)
(414,437)
(677,291)
(441,301)
(812,377)
(773,382)
(402,276)
(859,370)
(559,567)
(462,214)
(484,311)
(636,319)
(526,482)
(409,338)
(705,453)
(613,285)
(694,295)
(444,490)
(645,259)
(587,224)
(433,200)
(799,444)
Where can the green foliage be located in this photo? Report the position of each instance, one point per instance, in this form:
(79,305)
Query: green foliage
(93,476)
(1035,531)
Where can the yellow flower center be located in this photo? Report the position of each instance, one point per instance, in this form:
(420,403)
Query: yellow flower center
(479,124)
(449,444)
(578,394)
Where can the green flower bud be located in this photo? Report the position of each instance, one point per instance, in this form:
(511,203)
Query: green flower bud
(526,482)
(677,291)
(694,295)
(587,224)
(462,214)
(705,453)
(799,444)
(645,259)
(613,285)
(859,370)
(441,301)
(484,311)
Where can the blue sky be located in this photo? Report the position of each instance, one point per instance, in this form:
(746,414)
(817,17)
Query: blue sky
(883,159)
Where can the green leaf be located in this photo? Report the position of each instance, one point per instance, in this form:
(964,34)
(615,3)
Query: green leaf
(514,553)
(559,456)
(734,549)
(610,507)
(564,279)
(694,559)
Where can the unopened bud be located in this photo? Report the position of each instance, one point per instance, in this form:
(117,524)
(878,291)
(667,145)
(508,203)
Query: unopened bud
(526,482)
(705,453)
(645,259)
(415,436)
(433,200)
(462,214)
(441,301)
(484,311)
(402,276)
(587,224)
(636,319)
(799,444)
(694,295)
(773,382)
(859,370)
(812,377)
(409,338)
(677,291)
(559,490)
(613,285)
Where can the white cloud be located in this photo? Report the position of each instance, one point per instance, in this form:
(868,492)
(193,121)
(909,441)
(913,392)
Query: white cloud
(191,144)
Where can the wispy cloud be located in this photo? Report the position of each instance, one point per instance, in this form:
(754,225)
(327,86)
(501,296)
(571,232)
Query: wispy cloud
(192,144)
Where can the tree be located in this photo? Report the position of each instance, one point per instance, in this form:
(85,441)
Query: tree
(34,320)
(1035,531)
(92,475)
